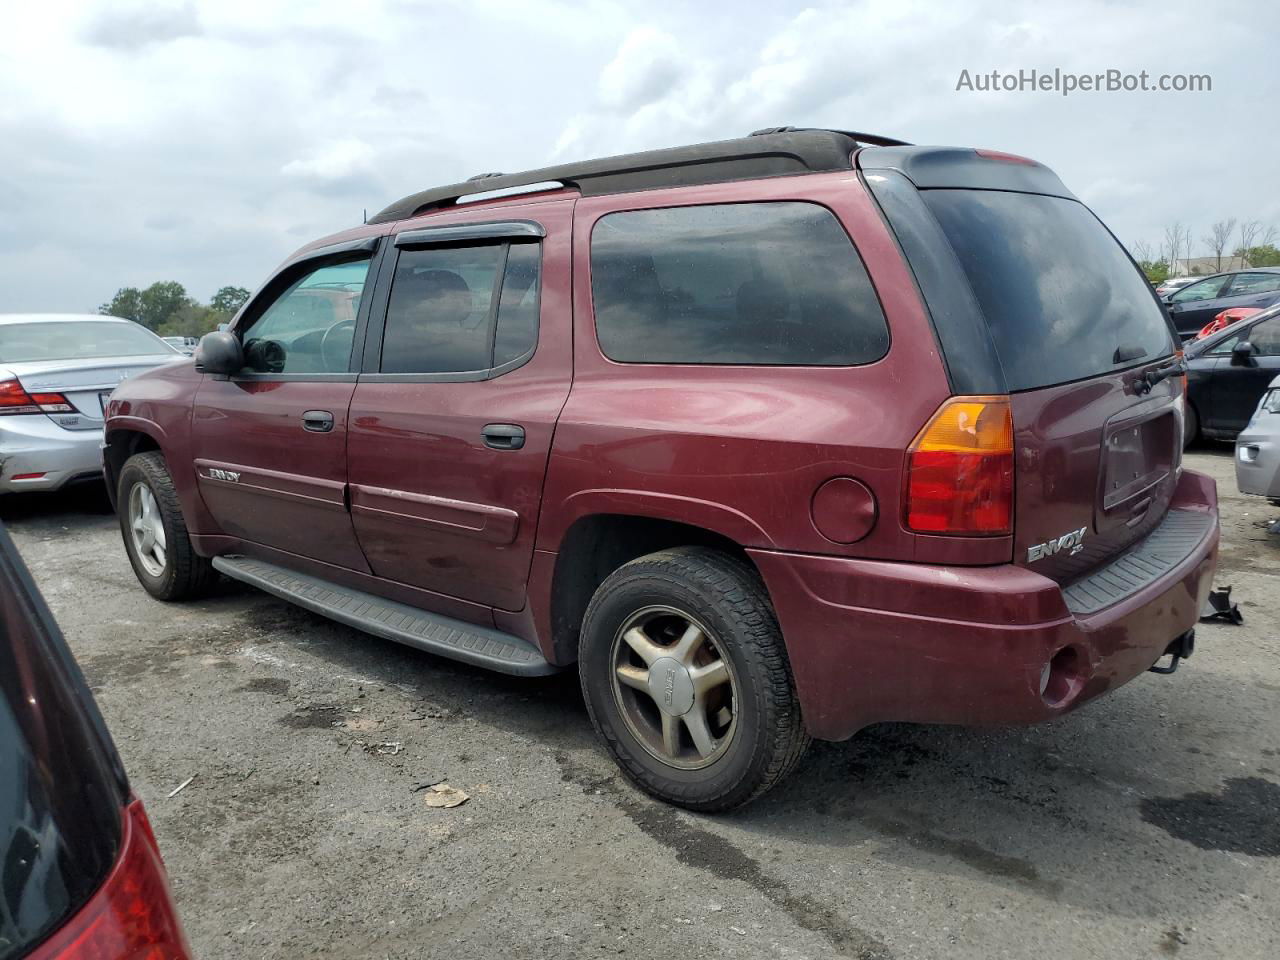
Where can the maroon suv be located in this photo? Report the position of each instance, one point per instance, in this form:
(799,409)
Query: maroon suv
(774,438)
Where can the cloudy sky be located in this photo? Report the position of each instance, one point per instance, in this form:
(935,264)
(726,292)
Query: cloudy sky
(203,140)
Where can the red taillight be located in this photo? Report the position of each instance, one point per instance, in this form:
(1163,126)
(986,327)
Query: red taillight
(1002,157)
(960,470)
(132,915)
(13,399)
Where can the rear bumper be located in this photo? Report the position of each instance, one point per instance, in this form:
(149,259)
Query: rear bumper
(872,641)
(36,445)
(1258,463)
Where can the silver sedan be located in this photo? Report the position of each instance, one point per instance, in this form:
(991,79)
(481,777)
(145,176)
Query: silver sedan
(1258,448)
(56,373)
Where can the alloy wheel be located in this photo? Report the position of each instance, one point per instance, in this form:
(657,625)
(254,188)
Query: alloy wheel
(674,687)
(147,529)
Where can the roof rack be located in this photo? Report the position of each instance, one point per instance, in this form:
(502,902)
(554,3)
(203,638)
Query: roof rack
(772,152)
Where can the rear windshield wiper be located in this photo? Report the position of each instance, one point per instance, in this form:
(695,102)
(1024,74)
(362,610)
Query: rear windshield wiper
(1153,376)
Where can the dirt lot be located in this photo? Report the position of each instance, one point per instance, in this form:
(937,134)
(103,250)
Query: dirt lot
(1144,825)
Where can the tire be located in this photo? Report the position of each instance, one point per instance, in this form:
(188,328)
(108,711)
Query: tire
(757,735)
(1190,427)
(183,575)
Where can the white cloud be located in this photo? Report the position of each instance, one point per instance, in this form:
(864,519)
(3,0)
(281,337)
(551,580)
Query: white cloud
(335,161)
(202,140)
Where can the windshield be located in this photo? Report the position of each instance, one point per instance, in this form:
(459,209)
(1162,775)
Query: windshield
(77,340)
(1062,299)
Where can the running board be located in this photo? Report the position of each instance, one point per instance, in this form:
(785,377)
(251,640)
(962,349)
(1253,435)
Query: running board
(432,632)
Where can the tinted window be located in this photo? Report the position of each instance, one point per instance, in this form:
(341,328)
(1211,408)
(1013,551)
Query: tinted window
(60,798)
(759,283)
(77,340)
(1061,298)
(1247,283)
(1265,337)
(1202,290)
(462,309)
(311,326)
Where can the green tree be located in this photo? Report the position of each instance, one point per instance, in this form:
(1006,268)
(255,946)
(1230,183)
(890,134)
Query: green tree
(1265,255)
(191,320)
(161,302)
(1157,271)
(127,303)
(228,300)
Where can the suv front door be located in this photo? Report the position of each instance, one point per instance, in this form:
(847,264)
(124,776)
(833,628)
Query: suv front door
(1238,382)
(270,442)
(467,364)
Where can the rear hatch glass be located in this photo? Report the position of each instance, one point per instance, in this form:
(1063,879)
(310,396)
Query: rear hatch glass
(61,791)
(1062,299)
(1073,324)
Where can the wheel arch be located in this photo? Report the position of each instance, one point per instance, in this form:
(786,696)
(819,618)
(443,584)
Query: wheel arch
(597,544)
(119,445)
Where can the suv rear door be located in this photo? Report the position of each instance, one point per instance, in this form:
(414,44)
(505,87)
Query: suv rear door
(270,443)
(1032,296)
(467,365)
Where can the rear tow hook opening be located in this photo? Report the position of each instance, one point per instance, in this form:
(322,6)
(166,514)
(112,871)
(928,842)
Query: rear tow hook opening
(1181,648)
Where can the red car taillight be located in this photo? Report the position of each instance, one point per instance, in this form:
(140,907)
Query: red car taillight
(14,399)
(132,915)
(960,470)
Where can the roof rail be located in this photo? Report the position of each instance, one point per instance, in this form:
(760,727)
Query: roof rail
(779,151)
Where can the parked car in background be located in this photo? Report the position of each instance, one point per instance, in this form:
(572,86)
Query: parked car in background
(82,876)
(1166,287)
(731,428)
(1197,303)
(56,372)
(1227,374)
(185,345)
(1225,319)
(1258,448)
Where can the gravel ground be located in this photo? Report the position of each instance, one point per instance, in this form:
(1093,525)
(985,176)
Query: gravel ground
(1143,825)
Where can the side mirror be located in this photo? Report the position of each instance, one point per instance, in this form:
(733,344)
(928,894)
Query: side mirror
(1242,354)
(220,354)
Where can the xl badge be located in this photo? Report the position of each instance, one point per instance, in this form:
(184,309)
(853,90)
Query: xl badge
(1072,542)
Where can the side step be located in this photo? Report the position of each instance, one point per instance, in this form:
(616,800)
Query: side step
(444,636)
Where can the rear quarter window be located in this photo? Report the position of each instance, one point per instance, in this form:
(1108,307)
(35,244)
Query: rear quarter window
(758,283)
(1061,298)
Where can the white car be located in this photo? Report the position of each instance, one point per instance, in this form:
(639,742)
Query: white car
(1258,448)
(56,373)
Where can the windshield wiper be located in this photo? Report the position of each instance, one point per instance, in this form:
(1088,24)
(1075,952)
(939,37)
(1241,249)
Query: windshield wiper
(1142,386)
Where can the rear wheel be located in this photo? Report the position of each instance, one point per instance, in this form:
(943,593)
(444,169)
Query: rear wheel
(687,681)
(155,535)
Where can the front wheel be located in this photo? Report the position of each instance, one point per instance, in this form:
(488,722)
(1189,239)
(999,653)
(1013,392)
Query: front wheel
(1190,427)
(155,535)
(687,680)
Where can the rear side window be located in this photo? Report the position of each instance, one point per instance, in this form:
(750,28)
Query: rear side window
(1247,283)
(1061,298)
(755,283)
(462,309)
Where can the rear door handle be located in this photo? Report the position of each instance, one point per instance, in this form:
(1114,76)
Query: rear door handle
(503,436)
(317,421)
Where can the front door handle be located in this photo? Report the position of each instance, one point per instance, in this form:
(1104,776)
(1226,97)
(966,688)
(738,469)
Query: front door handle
(503,436)
(317,421)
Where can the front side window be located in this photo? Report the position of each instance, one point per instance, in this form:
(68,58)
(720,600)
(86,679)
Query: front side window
(1201,290)
(462,309)
(751,283)
(1265,337)
(311,326)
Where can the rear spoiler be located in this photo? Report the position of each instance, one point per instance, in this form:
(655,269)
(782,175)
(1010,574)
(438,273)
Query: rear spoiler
(962,168)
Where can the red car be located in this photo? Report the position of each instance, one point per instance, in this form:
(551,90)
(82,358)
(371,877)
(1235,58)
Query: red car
(772,438)
(82,875)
